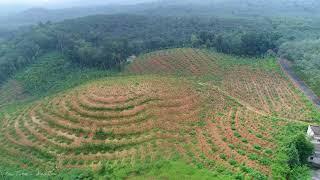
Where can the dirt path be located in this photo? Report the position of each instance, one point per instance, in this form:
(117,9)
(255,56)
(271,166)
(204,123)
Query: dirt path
(286,67)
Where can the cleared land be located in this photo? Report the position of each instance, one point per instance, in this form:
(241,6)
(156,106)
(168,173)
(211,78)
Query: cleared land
(266,90)
(217,116)
(138,118)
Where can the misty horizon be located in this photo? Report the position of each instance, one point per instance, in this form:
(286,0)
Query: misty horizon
(14,6)
(9,5)
(68,2)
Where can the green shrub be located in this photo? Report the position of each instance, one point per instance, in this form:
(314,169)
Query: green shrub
(245,169)
(223,156)
(259,136)
(241,152)
(233,127)
(237,134)
(244,140)
(304,147)
(232,162)
(258,176)
(101,135)
(257,147)
(231,146)
(253,157)
(264,161)
(202,123)
(268,151)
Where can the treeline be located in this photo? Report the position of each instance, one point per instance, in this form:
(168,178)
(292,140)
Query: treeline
(244,43)
(105,41)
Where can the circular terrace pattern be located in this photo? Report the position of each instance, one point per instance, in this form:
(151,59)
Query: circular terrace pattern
(112,120)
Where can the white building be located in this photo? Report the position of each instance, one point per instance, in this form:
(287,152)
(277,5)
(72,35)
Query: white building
(131,58)
(313,134)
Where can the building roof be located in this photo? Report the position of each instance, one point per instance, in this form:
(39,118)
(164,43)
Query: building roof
(316,130)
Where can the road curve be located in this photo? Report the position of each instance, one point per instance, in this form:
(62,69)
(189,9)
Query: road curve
(286,68)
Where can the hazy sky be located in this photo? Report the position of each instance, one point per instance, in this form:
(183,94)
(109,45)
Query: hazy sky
(67,2)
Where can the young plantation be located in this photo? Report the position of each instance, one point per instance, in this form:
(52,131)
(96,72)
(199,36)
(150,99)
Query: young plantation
(205,109)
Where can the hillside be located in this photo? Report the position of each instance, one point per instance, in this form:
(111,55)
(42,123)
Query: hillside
(205,112)
(51,73)
(169,89)
(261,85)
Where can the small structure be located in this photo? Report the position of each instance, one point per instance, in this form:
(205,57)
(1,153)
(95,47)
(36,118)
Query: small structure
(313,134)
(130,59)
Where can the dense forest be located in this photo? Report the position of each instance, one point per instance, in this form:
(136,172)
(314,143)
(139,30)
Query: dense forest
(306,57)
(105,41)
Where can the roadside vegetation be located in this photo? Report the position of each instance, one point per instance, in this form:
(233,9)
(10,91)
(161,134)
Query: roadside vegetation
(305,58)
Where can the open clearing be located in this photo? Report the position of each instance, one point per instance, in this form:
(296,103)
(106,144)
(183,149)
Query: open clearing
(227,123)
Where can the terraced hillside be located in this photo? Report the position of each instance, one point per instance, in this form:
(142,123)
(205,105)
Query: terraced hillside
(134,119)
(175,61)
(106,120)
(187,104)
(263,88)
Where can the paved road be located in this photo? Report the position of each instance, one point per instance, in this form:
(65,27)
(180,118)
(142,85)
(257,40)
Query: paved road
(316,174)
(286,67)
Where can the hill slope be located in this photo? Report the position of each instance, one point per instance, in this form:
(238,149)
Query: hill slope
(188,107)
(128,120)
(257,83)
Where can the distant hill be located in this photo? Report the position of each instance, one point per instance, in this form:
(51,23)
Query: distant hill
(238,8)
(36,15)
